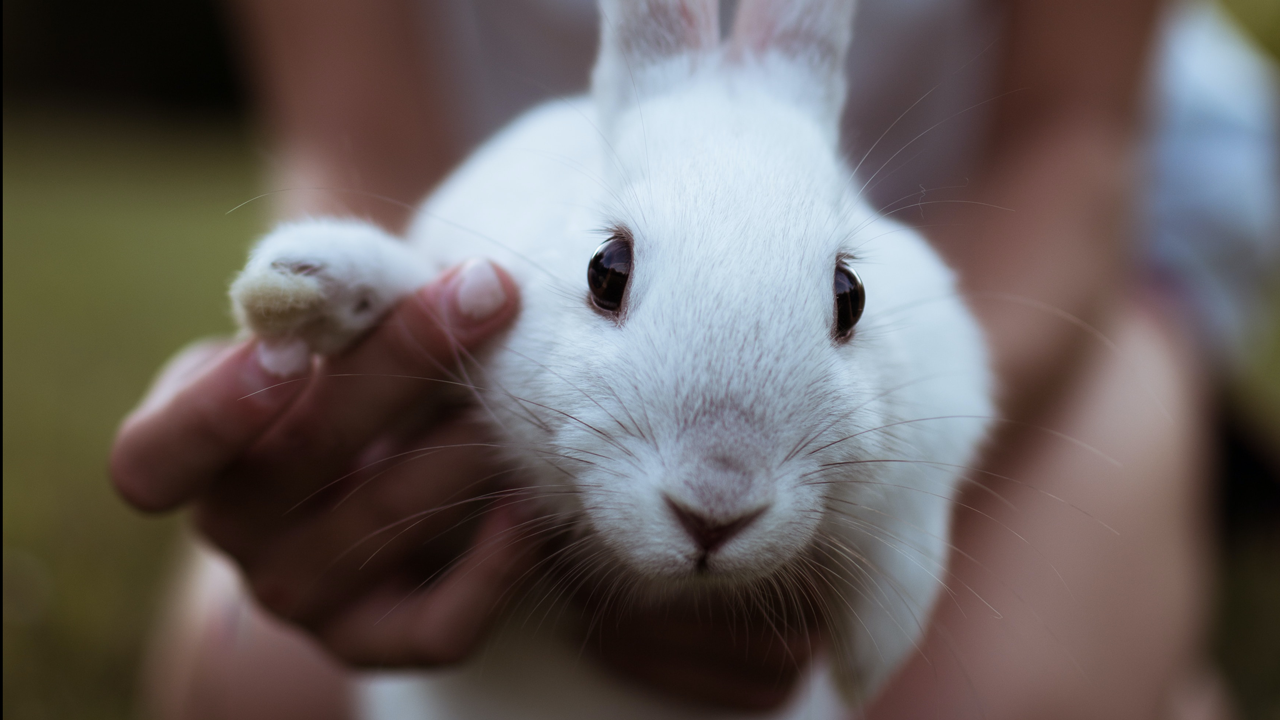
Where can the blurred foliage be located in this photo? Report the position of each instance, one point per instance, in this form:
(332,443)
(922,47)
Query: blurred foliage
(117,251)
(1261,19)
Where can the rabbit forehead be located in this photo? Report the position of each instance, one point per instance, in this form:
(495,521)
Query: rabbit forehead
(723,119)
(743,280)
(716,174)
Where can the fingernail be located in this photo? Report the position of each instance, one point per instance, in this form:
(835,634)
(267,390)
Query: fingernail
(478,292)
(285,358)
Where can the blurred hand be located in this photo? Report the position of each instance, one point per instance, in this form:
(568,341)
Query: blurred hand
(715,651)
(346,491)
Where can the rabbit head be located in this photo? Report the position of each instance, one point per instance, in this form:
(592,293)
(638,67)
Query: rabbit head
(720,399)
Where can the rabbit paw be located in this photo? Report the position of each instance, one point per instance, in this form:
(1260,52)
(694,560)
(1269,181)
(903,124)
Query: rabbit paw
(315,286)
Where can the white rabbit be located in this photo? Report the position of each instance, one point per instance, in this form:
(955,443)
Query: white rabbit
(726,412)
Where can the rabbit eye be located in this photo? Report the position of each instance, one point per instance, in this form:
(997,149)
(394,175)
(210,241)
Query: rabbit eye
(850,299)
(608,272)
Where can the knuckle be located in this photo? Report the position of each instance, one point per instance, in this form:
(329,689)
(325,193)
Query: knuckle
(134,486)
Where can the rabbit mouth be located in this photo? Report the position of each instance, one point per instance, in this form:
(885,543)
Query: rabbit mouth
(795,594)
(723,557)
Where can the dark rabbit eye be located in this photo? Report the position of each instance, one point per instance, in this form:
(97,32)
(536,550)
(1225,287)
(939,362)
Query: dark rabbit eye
(850,299)
(608,272)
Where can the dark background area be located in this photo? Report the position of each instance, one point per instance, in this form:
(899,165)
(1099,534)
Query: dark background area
(167,56)
(126,140)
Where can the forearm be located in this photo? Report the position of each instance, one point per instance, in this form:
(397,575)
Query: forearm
(1045,252)
(1078,584)
(1046,256)
(351,100)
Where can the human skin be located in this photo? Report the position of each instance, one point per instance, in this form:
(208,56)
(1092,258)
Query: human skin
(1058,153)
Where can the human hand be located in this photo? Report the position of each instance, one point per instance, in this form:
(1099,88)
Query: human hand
(349,489)
(713,650)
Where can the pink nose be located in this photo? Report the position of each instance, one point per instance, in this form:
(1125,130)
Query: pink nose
(707,532)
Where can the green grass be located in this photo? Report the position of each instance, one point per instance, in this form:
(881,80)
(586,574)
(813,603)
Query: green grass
(1260,19)
(117,251)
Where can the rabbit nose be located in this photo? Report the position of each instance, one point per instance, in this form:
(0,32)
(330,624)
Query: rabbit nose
(707,532)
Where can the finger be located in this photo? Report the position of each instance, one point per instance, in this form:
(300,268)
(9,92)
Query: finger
(206,408)
(406,365)
(178,372)
(414,507)
(443,623)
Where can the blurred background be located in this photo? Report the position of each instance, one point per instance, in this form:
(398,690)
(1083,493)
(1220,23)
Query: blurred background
(128,142)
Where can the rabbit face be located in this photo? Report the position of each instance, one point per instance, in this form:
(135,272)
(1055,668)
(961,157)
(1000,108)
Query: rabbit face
(719,366)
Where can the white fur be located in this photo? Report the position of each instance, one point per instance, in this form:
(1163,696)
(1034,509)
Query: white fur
(723,164)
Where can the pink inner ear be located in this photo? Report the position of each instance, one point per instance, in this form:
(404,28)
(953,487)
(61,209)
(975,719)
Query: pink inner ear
(817,31)
(650,30)
(753,28)
(691,22)
(638,35)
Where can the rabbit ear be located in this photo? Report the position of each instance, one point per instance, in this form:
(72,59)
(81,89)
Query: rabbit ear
(647,45)
(809,38)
